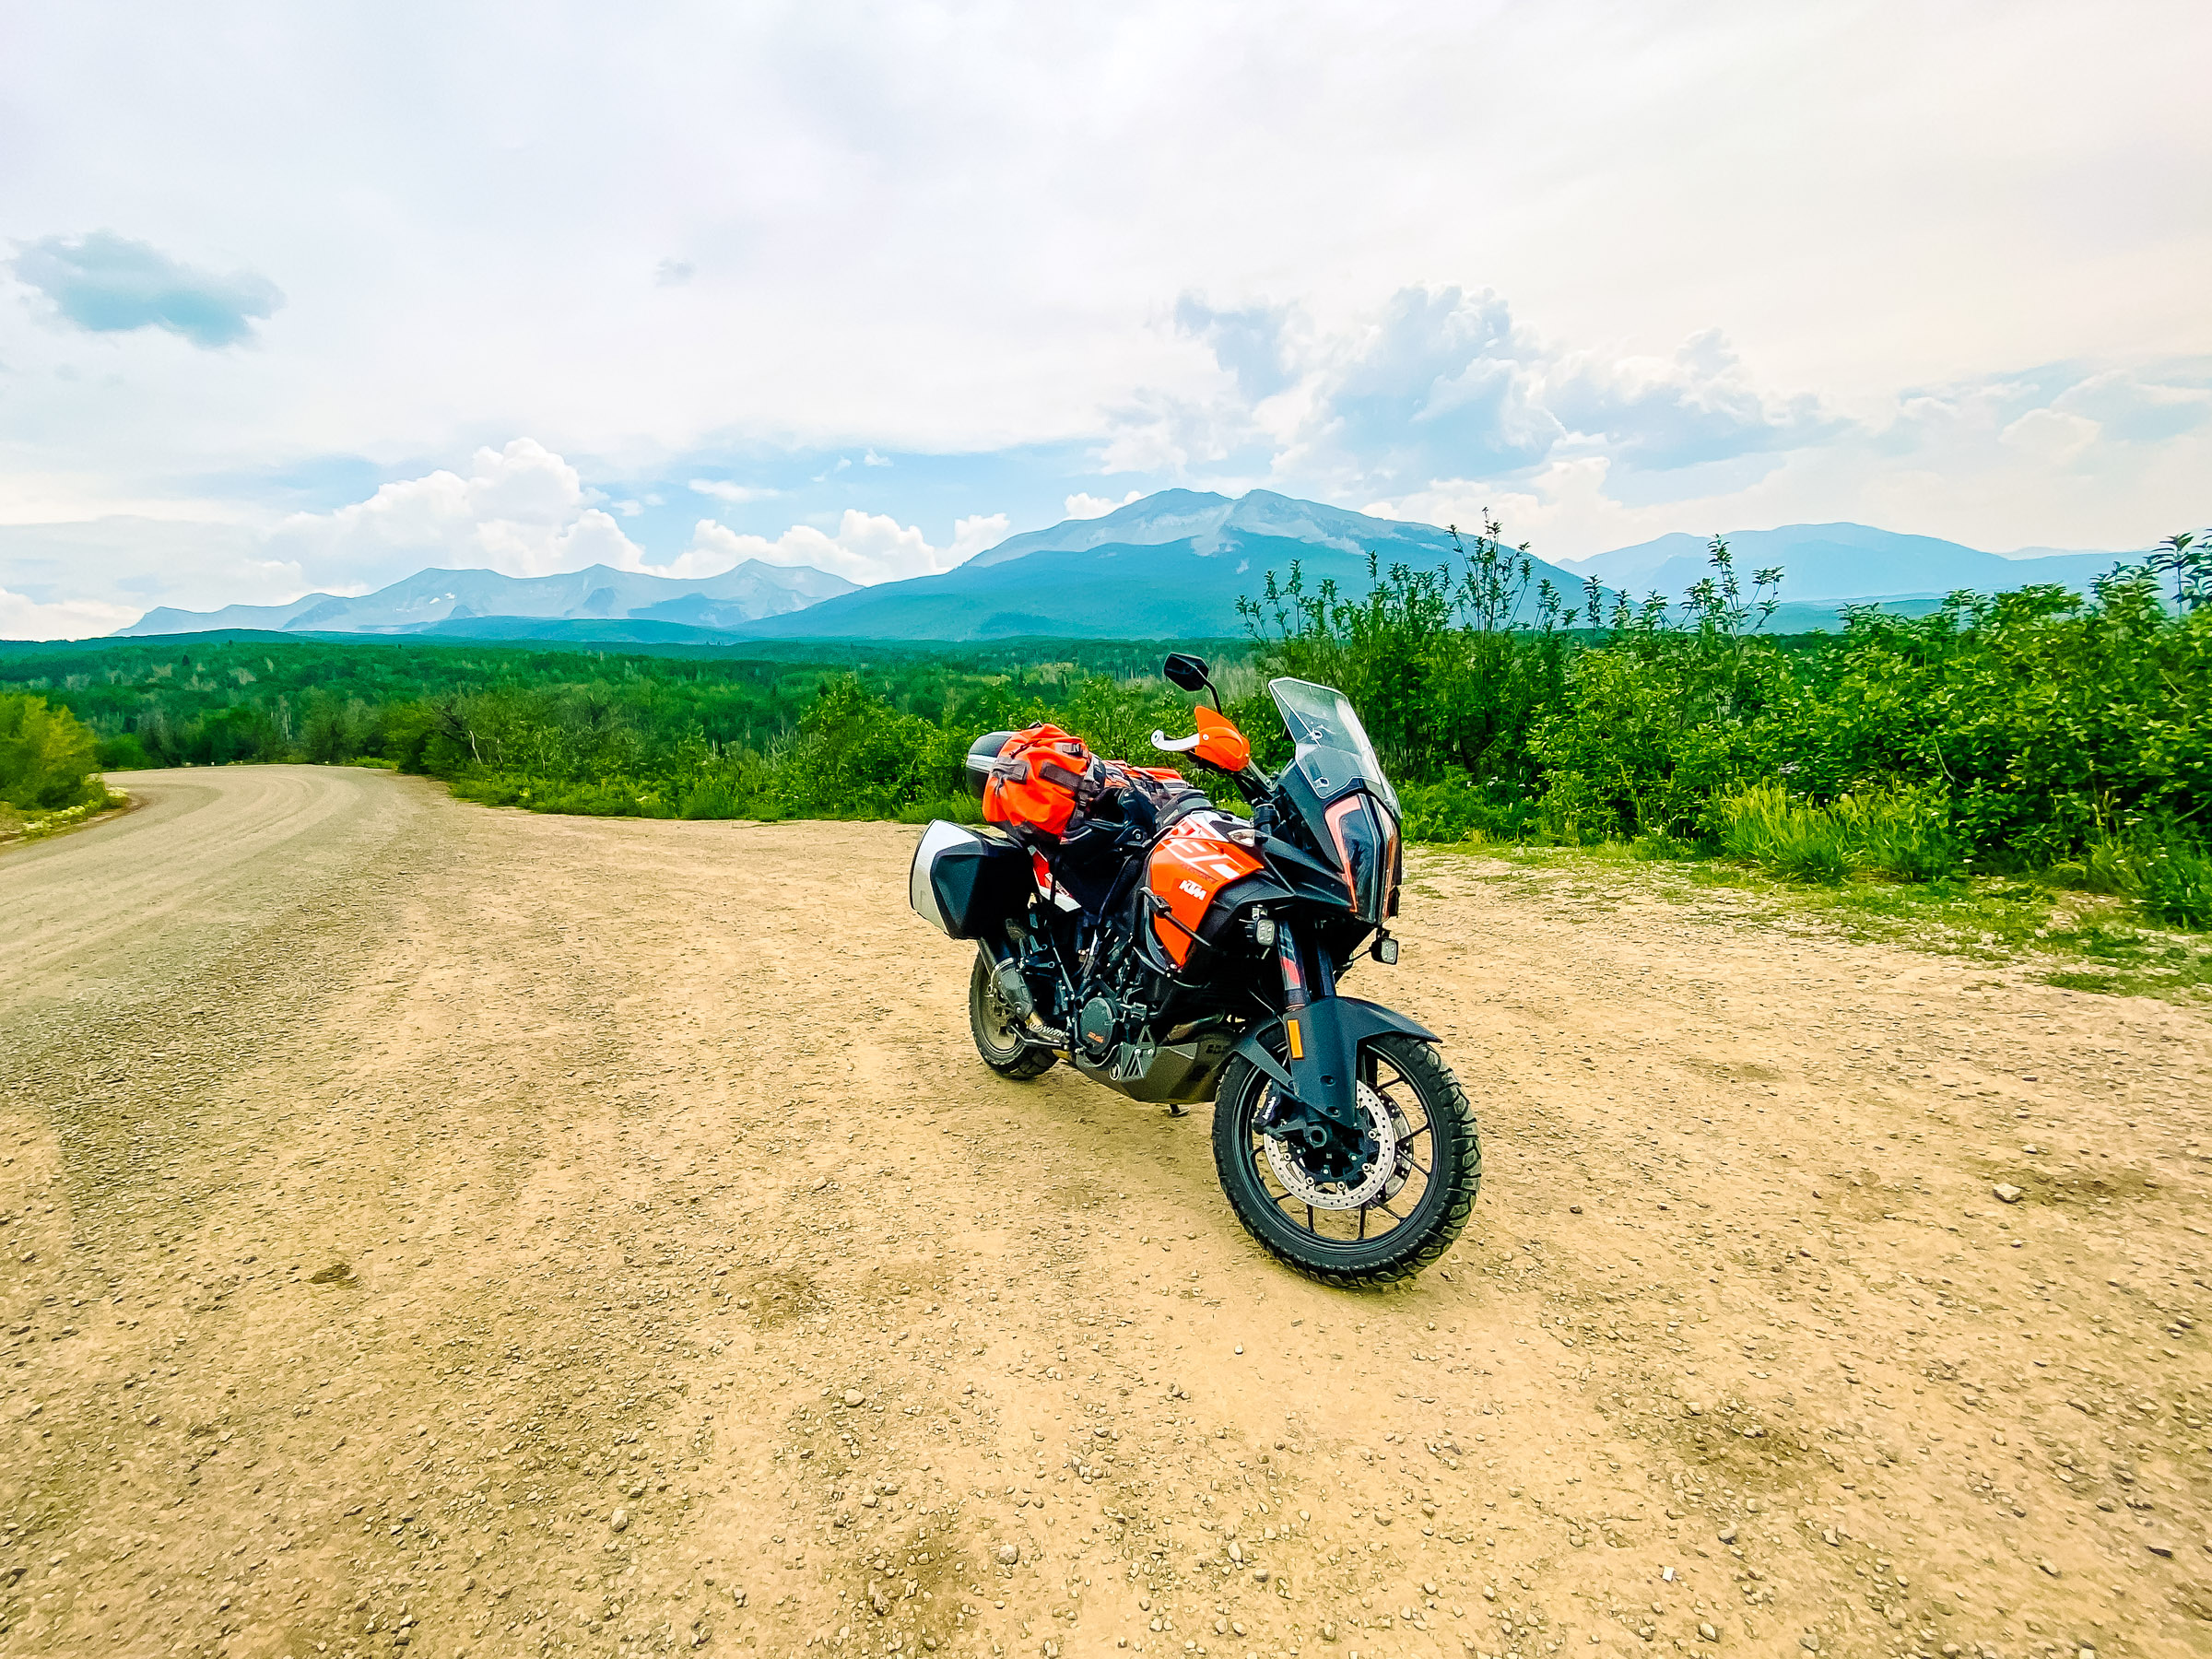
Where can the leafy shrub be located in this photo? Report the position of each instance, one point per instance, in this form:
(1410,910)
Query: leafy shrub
(1459,810)
(855,755)
(48,761)
(124,753)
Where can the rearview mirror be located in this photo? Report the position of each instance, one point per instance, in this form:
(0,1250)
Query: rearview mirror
(1185,671)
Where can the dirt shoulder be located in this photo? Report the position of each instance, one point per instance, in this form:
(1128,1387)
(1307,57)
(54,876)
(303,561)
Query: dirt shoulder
(435,1229)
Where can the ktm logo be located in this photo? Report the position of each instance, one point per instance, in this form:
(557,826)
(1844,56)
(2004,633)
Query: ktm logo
(1193,889)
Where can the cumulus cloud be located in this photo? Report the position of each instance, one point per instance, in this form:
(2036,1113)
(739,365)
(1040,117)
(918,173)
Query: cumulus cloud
(2028,459)
(867,548)
(1252,343)
(23,618)
(1699,406)
(2053,436)
(1440,385)
(521,510)
(2132,408)
(1444,385)
(104,283)
(1085,506)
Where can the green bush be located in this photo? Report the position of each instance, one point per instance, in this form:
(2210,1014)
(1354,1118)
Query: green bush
(1903,832)
(1801,843)
(1459,810)
(855,755)
(124,753)
(2177,884)
(49,763)
(2161,864)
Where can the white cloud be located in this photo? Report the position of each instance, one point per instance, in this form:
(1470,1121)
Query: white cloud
(22,619)
(838,267)
(1082,506)
(738,495)
(867,548)
(972,535)
(1562,508)
(521,510)
(2051,436)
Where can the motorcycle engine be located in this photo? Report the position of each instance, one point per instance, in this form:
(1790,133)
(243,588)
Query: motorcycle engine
(1095,1027)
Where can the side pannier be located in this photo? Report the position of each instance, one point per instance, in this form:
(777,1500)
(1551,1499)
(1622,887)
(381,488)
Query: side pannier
(966,880)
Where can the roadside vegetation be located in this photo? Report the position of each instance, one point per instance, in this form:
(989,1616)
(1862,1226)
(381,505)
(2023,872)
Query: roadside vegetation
(2034,743)
(49,768)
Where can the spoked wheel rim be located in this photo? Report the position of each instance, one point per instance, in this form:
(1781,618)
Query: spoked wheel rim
(995,1027)
(1391,1195)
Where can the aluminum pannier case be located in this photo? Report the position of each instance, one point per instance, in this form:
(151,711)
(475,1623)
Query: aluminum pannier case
(967,880)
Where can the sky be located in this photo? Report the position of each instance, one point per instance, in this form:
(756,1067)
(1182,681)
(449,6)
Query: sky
(302,299)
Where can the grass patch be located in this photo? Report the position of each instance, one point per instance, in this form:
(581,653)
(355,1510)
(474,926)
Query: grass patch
(30,827)
(2107,943)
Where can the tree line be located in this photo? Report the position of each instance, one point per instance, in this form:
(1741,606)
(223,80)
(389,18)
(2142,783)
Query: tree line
(2032,730)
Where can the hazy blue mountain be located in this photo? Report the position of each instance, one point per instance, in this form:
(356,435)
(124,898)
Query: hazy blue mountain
(1170,566)
(1213,524)
(449,600)
(1834,562)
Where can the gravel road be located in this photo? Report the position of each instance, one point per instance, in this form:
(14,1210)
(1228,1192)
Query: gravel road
(433,1231)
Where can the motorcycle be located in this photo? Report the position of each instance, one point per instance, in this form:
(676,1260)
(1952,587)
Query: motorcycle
(1207,968)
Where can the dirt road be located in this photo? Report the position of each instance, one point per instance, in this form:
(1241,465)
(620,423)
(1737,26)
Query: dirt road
(439,1231)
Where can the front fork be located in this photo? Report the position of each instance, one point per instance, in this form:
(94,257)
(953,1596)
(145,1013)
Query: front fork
(1303,965)
(1313,1047)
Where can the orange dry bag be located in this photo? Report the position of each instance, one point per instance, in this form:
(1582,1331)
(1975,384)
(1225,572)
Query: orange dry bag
(1044,779)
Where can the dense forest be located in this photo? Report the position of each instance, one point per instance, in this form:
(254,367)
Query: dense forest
(2031,730)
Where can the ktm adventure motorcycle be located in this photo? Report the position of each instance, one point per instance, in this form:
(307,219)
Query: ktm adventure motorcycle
(1203,963)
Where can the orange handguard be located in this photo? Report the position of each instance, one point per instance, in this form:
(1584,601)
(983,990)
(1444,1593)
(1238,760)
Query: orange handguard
(1219,742)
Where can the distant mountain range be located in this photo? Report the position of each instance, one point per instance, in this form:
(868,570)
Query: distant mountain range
(1170,566)
(480,604)
(1836,562)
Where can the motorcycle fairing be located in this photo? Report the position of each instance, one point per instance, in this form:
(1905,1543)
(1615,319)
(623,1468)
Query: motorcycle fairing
(1306,877)
(1186,873)
(1359,826)
(1323,1065)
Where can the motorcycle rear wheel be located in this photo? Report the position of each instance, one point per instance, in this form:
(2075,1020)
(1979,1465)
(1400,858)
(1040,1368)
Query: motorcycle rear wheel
(997,1034)
(1407,1227)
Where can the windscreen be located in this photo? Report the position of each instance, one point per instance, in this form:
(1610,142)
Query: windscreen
(1333,754)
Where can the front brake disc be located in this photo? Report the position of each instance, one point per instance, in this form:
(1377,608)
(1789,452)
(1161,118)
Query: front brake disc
(1325,1193)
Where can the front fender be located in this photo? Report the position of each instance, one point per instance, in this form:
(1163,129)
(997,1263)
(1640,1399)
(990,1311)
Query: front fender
(1322,1067)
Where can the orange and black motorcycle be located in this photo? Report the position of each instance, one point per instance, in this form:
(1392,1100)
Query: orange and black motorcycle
(1177,953)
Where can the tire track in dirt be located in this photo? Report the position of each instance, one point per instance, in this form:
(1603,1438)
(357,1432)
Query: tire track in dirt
(517,1171)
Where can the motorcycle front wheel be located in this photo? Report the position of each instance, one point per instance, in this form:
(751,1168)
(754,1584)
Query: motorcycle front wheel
(1401,1214)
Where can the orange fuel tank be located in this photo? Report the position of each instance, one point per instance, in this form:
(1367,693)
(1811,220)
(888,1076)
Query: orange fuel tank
(1192,863)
